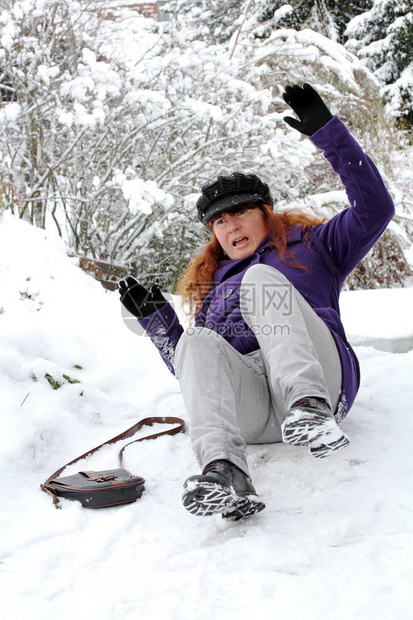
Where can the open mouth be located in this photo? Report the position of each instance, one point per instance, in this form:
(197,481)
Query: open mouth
(240,242)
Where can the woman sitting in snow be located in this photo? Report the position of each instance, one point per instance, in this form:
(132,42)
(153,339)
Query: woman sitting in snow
(267,359)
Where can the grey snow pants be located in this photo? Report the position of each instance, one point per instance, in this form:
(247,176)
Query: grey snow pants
(234,399)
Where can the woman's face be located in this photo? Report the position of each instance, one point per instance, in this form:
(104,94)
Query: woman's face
(240,232)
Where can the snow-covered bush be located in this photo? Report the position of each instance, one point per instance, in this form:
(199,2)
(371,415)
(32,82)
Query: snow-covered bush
(216,21)
(73,123)
(111,127)
(213,21)
(383,38)
(328,17)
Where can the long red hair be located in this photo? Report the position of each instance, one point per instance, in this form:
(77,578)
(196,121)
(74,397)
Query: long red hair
(197,278)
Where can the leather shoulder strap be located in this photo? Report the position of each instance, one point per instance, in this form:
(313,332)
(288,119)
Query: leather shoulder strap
(148,422)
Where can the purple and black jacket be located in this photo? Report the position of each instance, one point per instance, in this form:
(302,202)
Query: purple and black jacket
(336,247)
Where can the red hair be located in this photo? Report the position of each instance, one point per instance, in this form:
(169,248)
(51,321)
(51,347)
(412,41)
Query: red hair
(197,278)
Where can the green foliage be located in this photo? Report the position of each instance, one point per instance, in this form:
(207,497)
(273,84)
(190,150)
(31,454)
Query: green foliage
(70,380)
(56,384)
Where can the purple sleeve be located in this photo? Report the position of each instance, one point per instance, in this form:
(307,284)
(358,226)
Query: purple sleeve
(164,329)
(349,235)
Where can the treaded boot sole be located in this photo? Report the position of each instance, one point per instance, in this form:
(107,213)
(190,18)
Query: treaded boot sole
(205,499)
(320,451)
(322,435)
(244,508)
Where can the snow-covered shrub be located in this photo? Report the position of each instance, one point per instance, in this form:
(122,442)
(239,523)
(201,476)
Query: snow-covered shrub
(383,39)
(111,127)
(328,17)
(69,120)
(216,21)
(213,21)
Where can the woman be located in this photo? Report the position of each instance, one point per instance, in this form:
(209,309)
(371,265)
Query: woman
(267,359)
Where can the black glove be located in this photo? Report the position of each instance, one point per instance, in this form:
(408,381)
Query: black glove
(138,300)
(309,107)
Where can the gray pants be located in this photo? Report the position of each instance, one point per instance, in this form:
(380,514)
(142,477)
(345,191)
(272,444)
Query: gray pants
(234,399)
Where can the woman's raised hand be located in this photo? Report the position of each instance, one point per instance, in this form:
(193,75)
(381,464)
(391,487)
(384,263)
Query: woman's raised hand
(308,106)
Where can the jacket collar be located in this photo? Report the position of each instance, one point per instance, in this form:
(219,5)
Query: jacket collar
(294,234)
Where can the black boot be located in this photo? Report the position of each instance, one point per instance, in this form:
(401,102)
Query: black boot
(221,488)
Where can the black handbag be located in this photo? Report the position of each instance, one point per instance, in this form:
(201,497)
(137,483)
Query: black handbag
(110,487)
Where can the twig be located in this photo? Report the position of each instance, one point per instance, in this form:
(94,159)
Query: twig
(239,29)
(25,398)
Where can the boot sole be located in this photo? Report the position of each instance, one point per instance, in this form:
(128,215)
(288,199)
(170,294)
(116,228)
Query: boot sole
(208,498)
(322,436)
(321,451)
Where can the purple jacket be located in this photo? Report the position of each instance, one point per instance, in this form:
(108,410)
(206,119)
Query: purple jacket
(336,247)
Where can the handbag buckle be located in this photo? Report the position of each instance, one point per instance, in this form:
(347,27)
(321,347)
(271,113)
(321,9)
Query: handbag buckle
(106,478)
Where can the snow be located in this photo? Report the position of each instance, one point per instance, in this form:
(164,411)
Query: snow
(336,538)
(392,313)
(402,86)
(7,38)
(204,110)
(331,54)
(141,195)
(11,111)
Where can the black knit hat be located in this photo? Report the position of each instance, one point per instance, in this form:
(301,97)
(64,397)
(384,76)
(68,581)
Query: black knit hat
(229,193)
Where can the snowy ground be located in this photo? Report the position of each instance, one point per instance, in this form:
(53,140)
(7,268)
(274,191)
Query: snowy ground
(336,539)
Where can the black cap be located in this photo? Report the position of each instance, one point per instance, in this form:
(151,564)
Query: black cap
(229,193)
